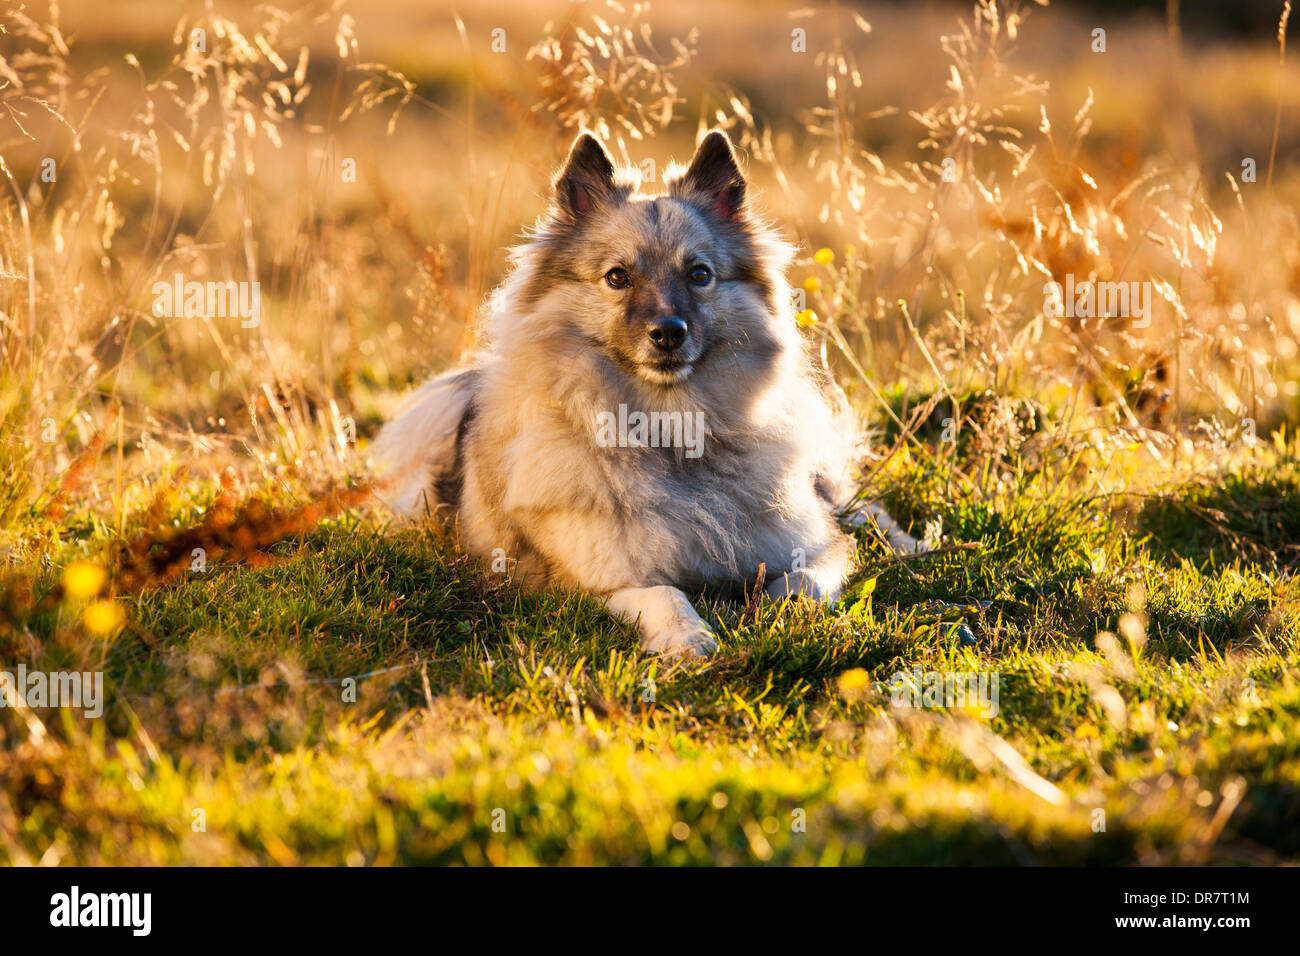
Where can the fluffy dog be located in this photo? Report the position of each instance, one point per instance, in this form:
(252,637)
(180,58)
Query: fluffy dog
(642,421)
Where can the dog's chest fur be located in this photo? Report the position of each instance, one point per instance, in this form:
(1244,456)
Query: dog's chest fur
(539,487)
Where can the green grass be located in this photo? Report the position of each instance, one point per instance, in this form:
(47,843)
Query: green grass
(509,728)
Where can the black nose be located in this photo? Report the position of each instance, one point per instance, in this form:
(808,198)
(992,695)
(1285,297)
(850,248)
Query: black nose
(667,333)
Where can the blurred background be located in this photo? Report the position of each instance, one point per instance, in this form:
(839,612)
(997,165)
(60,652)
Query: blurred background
(369,165)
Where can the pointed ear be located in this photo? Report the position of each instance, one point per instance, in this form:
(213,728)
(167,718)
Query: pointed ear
(587,179)
(715,176)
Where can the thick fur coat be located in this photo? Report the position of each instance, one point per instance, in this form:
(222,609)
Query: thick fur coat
(622,308)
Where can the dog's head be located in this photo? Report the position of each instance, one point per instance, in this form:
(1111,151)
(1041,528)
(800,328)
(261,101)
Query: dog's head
(662,284)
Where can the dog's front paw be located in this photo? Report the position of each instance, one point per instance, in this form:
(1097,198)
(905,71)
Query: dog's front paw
(669,624)
(695,642)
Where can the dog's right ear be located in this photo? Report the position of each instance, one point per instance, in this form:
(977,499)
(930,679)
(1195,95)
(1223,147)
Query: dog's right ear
(587,180)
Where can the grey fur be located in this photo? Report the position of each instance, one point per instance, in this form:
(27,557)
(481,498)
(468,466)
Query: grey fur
(509,447)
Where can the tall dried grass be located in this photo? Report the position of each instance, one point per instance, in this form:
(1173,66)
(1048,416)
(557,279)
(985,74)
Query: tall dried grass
(222,160)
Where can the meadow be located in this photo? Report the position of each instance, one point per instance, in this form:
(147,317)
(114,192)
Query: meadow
(1111,500)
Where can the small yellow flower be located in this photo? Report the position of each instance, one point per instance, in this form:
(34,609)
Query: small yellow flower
(103,618)
(82,579)
(973,711)
(812,284)
(1085,731)
(854,680)
(806,318)
(824,257)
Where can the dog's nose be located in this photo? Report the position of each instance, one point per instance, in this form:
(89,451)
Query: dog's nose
(667,333)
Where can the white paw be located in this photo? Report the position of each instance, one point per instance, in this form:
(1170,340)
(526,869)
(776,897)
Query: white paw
(668,622)
(694,642)
(899,540)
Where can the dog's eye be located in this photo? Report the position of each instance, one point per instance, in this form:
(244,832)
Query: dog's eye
(618,278)
(700,275)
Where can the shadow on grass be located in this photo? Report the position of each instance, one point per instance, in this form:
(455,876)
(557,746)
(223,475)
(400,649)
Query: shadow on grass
(1252,517)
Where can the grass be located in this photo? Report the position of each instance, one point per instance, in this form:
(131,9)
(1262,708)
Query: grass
(502,727)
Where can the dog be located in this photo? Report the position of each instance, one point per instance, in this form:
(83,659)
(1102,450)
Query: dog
(643,420)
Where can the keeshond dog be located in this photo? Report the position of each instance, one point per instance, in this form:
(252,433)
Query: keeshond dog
(643,420)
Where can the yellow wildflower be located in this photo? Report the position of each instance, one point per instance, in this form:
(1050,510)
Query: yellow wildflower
(854,680)
(103,618)
(82,579)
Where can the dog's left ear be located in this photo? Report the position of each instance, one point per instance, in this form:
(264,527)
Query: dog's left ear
(587,180)
(715,176)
